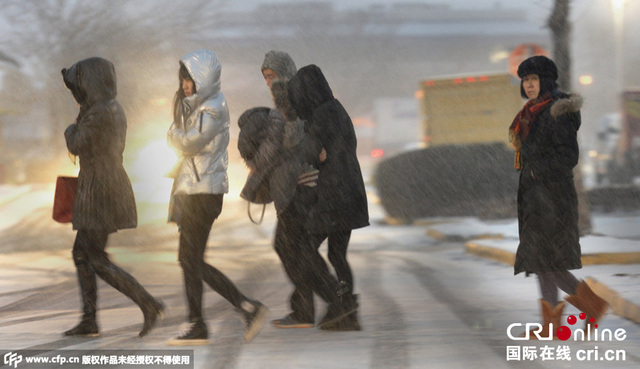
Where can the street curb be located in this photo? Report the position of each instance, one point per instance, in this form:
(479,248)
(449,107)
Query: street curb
(620,306)
(508,257)
(458,238)
(488,252)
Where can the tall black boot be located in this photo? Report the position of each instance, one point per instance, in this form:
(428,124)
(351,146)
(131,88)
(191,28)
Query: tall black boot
(350,321)
(347,323)
(88,327)
(129,286)
(342,305)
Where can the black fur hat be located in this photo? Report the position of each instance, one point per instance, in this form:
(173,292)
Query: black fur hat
(540,65)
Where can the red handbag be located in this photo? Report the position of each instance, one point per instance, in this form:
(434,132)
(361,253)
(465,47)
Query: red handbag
(64,198)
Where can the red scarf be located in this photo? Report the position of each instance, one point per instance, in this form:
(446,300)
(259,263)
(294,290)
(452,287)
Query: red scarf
(521,125)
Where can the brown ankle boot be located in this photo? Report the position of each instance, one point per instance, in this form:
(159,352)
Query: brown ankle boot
(550,314)
(589,303)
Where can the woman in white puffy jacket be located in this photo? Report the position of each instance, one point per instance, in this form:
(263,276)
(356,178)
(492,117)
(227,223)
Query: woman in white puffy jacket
(200,132)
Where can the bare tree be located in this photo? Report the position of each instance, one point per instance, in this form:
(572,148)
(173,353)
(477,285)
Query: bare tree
(561,30)
(140,37)
(561,36)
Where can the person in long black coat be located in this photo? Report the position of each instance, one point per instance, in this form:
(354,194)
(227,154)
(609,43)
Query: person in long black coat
(104,200)
(544,134)
(341,205)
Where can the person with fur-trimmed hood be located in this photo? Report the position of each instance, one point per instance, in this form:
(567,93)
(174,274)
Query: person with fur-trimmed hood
(544,135)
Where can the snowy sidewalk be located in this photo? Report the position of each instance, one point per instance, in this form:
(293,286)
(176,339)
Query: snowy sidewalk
(610,257)
(9,192)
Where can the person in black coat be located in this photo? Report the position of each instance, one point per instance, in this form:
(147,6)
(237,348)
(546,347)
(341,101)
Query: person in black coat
(341,204)
(104,200)
(544,134)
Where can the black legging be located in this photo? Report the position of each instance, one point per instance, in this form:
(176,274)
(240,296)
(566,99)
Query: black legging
(198,212)
(91,259)
(550,282)
(337,245)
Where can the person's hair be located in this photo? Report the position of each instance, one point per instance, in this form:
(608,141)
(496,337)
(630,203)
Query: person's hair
(546,85)
(183,74)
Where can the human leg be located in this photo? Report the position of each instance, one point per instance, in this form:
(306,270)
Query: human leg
(566,281)
(585,300)
(342,304)
(198,217)
(548,287)
(338,242)
(208,208)
(580,294)
(194,232)
(286,241)
(550,309)
(122,281)
(88,326)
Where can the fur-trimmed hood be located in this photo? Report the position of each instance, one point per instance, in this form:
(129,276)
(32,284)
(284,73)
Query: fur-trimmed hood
(572,103)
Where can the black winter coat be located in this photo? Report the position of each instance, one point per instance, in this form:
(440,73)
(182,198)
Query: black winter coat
(547,201)
(342,200)
(104,199)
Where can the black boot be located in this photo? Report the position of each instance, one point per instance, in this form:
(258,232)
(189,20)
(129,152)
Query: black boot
(152,311)
(129,286)
(343,306)
(88,327)
(347,323)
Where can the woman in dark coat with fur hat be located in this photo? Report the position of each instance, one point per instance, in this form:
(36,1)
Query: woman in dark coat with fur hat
(104,200)
(544,134)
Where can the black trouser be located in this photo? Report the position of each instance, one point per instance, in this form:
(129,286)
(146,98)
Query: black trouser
(550,282)
(337,245)
(91,259)
(198,212)
(301,260)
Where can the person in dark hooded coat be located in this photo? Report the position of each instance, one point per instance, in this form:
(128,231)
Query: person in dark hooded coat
(104,200)
(341,204)
(544,135)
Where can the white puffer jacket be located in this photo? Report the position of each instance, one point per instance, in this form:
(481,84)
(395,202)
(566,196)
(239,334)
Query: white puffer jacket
(202,135)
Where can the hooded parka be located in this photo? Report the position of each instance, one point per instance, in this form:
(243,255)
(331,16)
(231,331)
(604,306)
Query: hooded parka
(104,198)
(342,201)
(202,134)
(547,200)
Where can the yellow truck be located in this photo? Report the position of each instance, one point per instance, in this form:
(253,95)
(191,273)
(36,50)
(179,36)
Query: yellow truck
(466,168)
(466,109)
